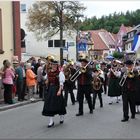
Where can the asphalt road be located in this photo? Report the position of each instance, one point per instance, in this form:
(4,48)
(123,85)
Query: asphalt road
(27,122)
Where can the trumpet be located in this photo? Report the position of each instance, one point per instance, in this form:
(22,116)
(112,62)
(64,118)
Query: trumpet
(79,71)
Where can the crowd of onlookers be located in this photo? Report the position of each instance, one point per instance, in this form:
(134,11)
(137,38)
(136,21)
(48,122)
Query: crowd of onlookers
(21,80)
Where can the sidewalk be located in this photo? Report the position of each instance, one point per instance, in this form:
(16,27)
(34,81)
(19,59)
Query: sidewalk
(17,103)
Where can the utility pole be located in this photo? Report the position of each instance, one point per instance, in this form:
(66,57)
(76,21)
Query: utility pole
(77,34)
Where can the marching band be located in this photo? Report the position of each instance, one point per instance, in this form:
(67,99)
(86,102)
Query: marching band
(115,79)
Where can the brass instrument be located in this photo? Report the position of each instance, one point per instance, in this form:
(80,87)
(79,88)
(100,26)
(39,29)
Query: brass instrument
(96,84)
(79,71)
(129,73)
(83,69)
(123,79)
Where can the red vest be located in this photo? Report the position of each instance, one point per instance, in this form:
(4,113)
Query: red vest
(53,77)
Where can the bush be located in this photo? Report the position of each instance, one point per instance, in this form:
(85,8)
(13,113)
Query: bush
(118,55)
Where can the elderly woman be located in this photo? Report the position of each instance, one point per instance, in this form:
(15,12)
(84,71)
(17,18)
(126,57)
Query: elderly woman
(7,79)
(30,81)
(54,103)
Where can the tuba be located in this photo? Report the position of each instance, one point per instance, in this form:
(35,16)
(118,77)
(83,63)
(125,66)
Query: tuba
(96,83)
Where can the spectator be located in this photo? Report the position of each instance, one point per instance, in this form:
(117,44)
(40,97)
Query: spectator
(7,80)
(30,81)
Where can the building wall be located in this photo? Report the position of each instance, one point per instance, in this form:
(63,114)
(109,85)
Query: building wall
(7,31)
(16,28)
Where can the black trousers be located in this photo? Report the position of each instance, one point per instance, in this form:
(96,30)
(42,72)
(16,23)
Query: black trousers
(8,93)
(128,99)
(19,85)
(100,99)
(105,87)
(69,89)
(24,89)
(84,90)
(40,84)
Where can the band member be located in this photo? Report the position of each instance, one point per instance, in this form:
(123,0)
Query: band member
(84,86)
(69,85)
(114,90)
(54,103)
(105,71)
(137,96)
(46,70)
(97,87)
(129,89)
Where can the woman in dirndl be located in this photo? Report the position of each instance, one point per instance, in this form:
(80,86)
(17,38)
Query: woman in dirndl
(54,102)
(114,89)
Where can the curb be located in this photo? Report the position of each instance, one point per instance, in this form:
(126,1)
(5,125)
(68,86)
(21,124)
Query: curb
(7,107)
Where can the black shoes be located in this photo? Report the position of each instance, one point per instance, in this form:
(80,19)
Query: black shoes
(61,122)
(124,120)
(49,126)
(79,114)
(73,103)
(133,117)
(91,111)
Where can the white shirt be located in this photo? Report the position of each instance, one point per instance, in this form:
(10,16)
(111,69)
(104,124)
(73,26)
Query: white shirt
(61,78)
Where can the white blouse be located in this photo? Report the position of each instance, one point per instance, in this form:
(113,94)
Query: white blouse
(61,78)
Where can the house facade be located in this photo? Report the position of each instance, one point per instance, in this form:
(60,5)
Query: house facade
(100,44)
(129,40)
(119,38)
(9,31)
(43,48)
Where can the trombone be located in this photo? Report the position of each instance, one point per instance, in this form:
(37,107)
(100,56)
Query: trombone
(79,71)
(123,79)
(127,74)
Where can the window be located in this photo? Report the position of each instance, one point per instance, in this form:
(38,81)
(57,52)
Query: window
(57,43)
(71,44)
(132,34)
(23,8)
(50,43)
(1,48)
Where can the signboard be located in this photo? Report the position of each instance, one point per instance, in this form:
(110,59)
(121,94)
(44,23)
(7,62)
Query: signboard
(82,46)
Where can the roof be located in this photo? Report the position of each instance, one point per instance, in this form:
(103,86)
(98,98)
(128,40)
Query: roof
(101,39)
(107,38)
(99,44)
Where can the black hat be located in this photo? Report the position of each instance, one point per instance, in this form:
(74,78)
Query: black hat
(103,63)
(54,62)
(108,66)
(129,62)
(114,65)
(83,60)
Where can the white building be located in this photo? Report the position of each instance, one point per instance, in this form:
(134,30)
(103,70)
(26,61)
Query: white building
(49,47)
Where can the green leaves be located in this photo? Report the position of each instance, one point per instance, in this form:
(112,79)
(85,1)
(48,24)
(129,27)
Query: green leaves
(112,22)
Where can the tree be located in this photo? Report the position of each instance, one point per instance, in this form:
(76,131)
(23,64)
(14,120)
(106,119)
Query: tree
(118,55)
(47,18)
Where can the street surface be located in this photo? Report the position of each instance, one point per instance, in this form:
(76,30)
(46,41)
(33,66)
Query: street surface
(27,122)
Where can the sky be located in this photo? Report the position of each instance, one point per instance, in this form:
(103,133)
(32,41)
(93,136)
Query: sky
(105,7)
